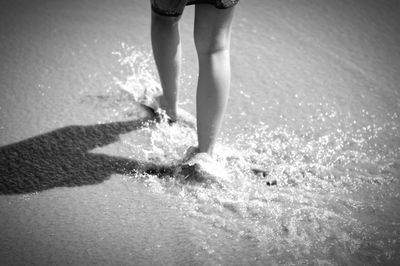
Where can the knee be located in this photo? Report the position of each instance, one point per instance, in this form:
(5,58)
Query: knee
(209,47)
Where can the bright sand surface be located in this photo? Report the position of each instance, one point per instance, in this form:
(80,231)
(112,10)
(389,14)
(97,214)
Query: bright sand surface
(315,100)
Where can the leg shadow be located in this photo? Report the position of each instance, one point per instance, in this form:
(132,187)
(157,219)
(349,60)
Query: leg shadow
(62,158)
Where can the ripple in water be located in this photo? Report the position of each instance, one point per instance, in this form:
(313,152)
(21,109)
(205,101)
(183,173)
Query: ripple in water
(335,200)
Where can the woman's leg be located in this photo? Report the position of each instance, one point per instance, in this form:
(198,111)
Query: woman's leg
(166,46)
(212,35)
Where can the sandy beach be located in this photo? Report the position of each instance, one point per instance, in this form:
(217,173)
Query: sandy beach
(315,99)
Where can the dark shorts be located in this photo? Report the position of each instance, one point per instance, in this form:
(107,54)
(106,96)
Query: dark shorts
(175,8)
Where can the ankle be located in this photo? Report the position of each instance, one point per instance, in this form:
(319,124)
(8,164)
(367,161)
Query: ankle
(170,106)
(207,150)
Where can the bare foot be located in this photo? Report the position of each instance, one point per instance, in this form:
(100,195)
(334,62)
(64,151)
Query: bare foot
(163,112)
(201,167)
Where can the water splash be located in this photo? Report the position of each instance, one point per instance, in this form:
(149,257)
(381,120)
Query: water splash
(332,187)
(136,73)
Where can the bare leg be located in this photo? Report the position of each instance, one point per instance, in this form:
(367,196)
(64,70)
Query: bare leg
(212,38)
(166,46)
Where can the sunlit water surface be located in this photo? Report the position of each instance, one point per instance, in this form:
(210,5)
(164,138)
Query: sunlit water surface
(336,196)
(320,117)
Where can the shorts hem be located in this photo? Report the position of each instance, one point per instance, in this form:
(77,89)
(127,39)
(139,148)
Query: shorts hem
(165,13)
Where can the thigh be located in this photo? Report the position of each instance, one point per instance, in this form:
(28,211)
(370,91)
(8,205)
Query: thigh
(168,7)
(212,26)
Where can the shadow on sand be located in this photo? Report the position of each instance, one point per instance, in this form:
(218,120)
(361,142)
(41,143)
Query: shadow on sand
(62,158)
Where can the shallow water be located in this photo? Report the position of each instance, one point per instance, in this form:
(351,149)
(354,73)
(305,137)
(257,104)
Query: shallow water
(332,194)
(314,101)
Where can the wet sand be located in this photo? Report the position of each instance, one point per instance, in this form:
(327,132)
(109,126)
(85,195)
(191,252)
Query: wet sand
(65,204)
(63,160)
